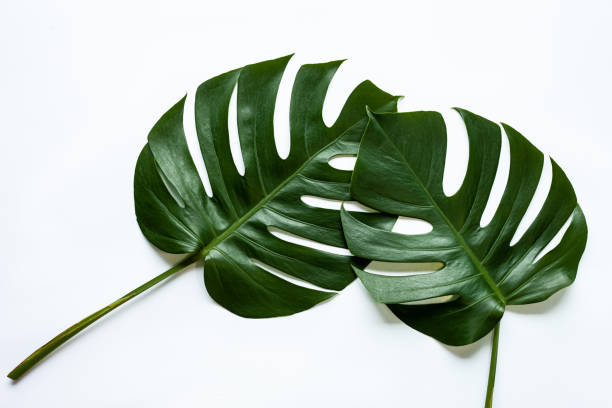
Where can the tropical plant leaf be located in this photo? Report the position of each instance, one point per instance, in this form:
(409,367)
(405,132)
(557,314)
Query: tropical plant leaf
(231,228)
(399,171)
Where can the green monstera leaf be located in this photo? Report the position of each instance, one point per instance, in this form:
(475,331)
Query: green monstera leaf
(231,229)
(399,171)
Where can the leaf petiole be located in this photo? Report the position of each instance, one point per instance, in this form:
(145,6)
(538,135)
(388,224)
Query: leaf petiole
(64,336)
(492,368)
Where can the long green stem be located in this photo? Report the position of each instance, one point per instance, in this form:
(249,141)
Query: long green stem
(492,368)
(64,336)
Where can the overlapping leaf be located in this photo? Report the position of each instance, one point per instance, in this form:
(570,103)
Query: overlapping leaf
(399,171)
(231,228)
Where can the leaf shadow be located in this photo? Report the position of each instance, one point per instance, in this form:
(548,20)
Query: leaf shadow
(460,351)
(530,309)
(470,349)
(170,259)
(386,314)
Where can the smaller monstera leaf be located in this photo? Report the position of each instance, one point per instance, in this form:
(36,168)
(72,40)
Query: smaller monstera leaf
(399,171)
(231,229)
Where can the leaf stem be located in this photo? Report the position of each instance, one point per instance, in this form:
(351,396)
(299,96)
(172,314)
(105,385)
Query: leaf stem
(64,336)
(492,368)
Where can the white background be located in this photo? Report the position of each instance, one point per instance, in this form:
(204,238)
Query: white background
(81,84)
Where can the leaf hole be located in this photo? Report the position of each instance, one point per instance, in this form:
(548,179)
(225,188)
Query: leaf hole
(411,226)
(431,301)
(500,182)
(403,268)
(282,127)
(457,152)
(555,240)
(296,239)
(285,276)
(341,86)
(356,206)
(331,204)
(193,145)
(536,203)
(343,161)
(232,128)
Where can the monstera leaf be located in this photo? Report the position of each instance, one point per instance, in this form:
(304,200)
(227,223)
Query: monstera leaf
(399,171)
(231,229)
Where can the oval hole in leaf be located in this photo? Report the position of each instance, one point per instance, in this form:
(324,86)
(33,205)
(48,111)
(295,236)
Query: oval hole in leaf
(402,268)
(555,241)
(193,145)
(340,87)
(536,203)
(499,184)
(432,301)
(355,206)
(457,152)
(343,161)
(232,129)
(296,239)
(411,226)
(287,277)
(331,204)
(282,129)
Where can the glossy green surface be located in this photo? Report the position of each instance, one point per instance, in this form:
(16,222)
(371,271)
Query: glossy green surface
(399,171)
(230,229)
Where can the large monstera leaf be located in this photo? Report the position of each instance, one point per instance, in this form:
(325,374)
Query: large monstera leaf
(231,229)
(399,171)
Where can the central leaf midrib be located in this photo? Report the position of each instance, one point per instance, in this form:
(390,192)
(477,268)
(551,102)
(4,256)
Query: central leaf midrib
(477,263)
(236,224)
